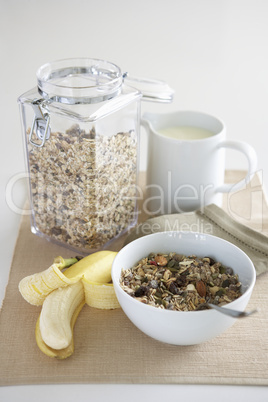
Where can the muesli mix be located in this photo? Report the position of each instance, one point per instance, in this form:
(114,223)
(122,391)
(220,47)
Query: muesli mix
(83,186)
(183,283)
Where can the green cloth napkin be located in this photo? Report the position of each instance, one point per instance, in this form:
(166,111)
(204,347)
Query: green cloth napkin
(211,220)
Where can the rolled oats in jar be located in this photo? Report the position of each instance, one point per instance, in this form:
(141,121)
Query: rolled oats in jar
(81,128)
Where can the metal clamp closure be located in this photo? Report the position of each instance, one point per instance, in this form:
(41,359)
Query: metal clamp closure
(40,126)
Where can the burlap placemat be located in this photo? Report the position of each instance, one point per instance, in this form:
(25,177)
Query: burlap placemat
(110,349)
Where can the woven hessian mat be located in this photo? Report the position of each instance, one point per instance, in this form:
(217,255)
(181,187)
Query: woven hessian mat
(110,349)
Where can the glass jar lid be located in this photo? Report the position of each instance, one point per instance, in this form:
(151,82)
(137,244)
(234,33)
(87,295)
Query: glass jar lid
(78,81)
(86,80)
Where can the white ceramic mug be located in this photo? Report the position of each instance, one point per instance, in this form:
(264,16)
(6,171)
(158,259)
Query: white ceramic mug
(185,175)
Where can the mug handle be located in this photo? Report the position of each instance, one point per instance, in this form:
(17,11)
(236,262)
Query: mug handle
(251,156)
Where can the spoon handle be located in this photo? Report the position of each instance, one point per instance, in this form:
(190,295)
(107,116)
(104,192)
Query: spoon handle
(230,312)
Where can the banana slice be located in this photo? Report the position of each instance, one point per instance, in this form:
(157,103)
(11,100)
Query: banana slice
(100,295)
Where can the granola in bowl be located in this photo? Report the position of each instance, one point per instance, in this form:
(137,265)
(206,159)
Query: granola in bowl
(183,283)
(181,327)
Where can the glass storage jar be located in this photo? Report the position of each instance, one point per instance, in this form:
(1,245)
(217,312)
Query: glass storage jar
(81,126)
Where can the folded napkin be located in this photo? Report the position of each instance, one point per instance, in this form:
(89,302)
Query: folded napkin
(211,220)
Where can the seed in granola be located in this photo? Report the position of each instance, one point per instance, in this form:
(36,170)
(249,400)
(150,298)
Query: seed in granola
(140,272)
(202,306)
(170,306)
(233,288)
(210,260)
(151,256)
(171,263)
(167,274)
(229,271)
(213,290)
(220,292)
(225,283)
(144,279)
(181,279)
(153,284)
(140,291)
(191,287)
(178,257)
(173,288)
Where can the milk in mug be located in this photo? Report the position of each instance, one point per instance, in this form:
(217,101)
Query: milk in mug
(185,132)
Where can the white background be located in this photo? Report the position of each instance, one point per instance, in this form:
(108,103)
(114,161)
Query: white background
(214,53)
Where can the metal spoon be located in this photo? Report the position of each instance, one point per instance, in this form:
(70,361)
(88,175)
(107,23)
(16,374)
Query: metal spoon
(230,312)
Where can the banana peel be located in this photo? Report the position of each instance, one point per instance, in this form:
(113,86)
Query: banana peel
(93,272)
(95,267)
(35,288)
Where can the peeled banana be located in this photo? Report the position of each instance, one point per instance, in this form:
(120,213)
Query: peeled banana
(57,353)
(62,295)
(56,315)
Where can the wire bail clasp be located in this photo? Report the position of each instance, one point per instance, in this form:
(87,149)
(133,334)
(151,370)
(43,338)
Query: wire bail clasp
(40,126)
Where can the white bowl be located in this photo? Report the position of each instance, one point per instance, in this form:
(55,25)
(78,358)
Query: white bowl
(182,327)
